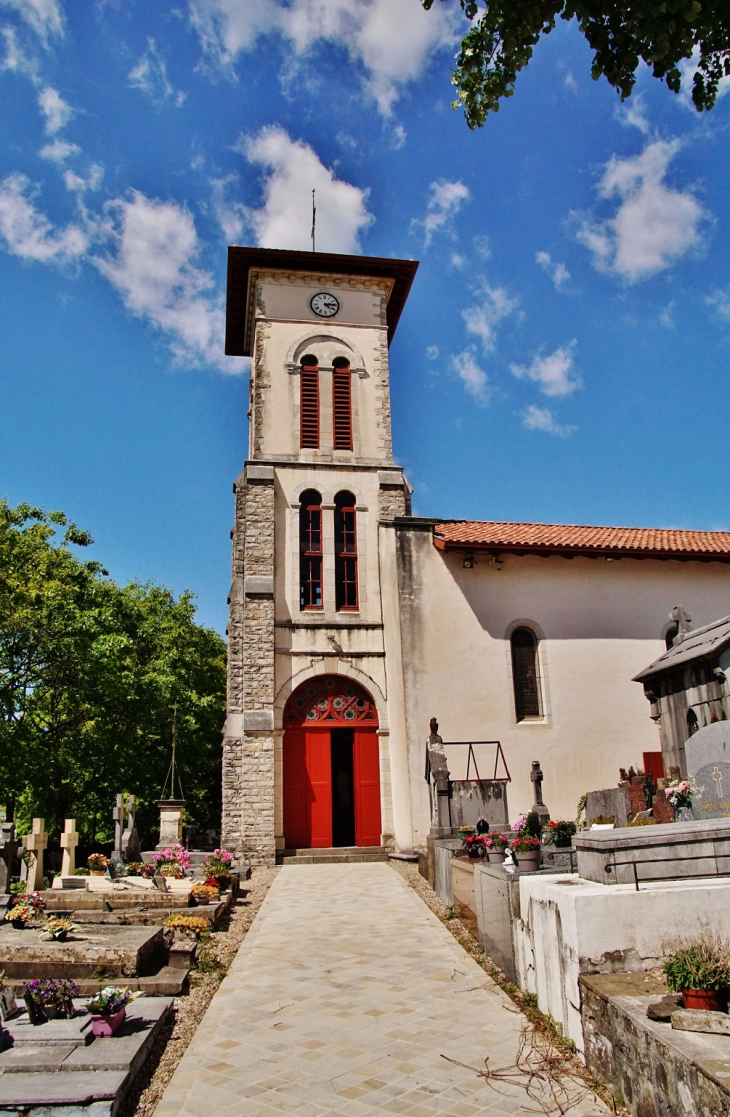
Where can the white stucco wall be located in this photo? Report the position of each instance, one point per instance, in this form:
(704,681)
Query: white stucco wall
(599,623)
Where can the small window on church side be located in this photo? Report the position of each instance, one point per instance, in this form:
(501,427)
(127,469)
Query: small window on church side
(345,552)
(310,550)
(342,404)
(309,403)
(525,674)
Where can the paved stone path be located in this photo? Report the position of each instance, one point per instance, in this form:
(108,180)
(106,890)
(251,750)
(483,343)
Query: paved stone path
(343,997)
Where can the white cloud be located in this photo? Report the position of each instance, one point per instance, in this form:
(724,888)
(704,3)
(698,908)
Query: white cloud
(688,68)
(44,16)
(552,373)
(292,171)
(16,61)
(481,246)
(78,184)
(152,265)
(55,110)
(445,202)
(483,319)
(393,41)
(58,151)
(719,302)
(633,114)
(28,233)
(150,75)
(542,419)
(474,377)
(654,224)
(432,352)
(557,271)
(230,215)
(666,318)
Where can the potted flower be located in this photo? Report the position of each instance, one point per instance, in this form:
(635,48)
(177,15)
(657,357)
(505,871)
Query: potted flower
(218,865)
(109,1008)
(195,925)
(24,909)
(205,893)
(495,845)
(58,928)
(561,832)
(140,869)
(680,794)
(473,846)
(172,862)
(97,863)
(527,851)
(700,971)
(50,997)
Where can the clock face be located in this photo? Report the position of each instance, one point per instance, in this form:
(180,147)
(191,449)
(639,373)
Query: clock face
(324,305)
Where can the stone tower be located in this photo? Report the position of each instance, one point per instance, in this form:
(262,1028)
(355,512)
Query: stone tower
(314,607)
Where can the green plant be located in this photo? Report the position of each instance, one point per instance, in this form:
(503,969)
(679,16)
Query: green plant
(58,926)
(602,820)
(533,827)
(642,822)
(580,808)
(561,829)
(701,963)
(18,888)
(97,862)
(81,872)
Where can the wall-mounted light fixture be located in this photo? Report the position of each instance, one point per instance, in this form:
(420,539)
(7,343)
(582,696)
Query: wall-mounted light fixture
(468,562)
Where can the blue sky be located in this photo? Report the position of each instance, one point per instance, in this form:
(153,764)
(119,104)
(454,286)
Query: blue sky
(564,353)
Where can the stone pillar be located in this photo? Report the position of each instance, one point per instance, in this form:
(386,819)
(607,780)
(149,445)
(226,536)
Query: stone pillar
(118,819)
(35,844)
(398,737)
(8,853)
(131,849)
(171,816)
(248,747)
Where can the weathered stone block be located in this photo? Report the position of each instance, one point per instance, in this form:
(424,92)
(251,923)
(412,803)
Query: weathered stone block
(698,1020)
(257,474)
(258,721)
(258,585)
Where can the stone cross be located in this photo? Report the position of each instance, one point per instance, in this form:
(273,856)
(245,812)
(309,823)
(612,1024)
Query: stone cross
(131,850)
(69,841)
(35,844)
(682,619)
(536,775)
(118,817)
(8,853)
(437,767)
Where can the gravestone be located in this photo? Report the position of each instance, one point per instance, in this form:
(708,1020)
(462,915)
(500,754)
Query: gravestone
(35,844)
(69,841)
(118,818)
(8,853)
(536,775)
(707,753)
(131,848)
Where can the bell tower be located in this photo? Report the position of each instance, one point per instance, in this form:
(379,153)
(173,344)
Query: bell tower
(314,596)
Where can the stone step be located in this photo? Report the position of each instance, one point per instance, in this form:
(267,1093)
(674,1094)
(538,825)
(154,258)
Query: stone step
(335,855)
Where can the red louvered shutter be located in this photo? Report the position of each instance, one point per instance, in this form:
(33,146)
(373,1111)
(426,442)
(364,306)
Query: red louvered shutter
(342,407)
(309,407)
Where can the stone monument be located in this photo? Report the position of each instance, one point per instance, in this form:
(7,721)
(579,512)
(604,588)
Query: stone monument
(118,819)
(707,753)
(438,769)
(131,848)
(171,807)
(35,844)
(8,853)
(536,775)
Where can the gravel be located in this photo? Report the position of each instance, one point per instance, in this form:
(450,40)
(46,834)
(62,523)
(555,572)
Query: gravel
(189,1010)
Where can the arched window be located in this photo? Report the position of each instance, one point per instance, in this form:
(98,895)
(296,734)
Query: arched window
(309,403)
(345,552)
(670,635)
(525,675)
(341,404)
(310,550)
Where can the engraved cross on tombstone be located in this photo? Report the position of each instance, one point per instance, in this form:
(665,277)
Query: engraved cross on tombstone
(69,841)
(35,844)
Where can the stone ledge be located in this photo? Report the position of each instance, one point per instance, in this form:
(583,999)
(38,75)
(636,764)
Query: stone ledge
(391,477)
(259,474)
(258,585)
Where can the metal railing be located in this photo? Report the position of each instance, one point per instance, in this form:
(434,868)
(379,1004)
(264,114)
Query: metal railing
(633,865)
(471,759)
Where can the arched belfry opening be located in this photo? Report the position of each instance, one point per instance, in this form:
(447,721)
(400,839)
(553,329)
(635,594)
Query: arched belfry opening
(331,766)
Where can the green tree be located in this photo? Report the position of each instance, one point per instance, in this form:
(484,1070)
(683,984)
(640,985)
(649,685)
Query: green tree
(621,33)
(90,676)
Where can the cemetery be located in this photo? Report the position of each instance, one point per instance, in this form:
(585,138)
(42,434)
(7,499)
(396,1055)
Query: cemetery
(90,966)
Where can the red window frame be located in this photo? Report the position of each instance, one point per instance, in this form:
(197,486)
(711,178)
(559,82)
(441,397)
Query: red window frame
(346,580)
(311,556)
(309,404)
(341,405)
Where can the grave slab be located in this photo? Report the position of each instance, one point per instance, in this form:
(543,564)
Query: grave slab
(45,1089)
(56,1033)
(679,849)
(119,951)
(24,1058)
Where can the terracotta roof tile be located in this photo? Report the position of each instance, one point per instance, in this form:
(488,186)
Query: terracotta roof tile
(656,542)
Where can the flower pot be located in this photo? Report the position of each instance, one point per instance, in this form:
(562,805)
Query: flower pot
(496,857)
(473,853)
(714,1000)
(684,814)
(60,936)
(96,872)
(563,843)
(528,862)
(18,924)
(107,1025)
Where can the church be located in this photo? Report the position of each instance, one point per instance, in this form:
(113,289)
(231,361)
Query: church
(353,623)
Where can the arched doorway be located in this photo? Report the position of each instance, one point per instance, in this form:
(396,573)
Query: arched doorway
(331,766)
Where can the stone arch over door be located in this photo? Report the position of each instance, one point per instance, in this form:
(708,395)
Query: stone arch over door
(331,765)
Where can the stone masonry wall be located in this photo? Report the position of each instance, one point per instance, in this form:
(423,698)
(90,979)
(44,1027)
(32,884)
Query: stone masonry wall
(393,502)
(248,747)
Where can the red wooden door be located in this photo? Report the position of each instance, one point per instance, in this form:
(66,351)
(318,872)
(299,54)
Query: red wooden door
(654,765)
(307,789)
(366,771)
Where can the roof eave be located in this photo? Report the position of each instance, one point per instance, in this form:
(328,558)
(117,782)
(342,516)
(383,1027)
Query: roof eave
(572,552)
